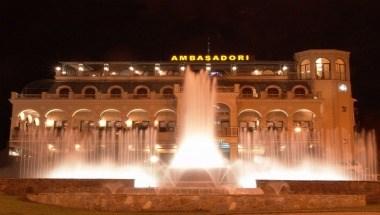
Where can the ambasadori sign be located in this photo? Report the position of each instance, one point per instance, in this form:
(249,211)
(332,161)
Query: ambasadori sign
(210,58)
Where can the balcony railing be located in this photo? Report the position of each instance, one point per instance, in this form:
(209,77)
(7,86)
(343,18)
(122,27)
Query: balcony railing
(262,95)
(105,70)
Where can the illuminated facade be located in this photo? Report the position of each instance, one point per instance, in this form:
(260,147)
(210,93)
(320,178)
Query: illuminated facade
(311,92)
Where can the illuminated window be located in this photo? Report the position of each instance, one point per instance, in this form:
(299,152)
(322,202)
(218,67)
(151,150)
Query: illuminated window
(305,69)
(340,69)
(322,68)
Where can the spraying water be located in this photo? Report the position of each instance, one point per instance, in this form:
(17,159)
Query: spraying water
(127,152)
(197,148)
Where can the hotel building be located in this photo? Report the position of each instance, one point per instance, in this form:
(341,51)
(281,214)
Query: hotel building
(312,92)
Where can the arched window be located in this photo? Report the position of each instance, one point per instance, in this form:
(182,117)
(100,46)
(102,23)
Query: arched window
(273,92)
(305,69)
(167,92)
(340,69)
(89,93)
(322,68)
(249,119)
(247,92)
(299,92)
(115,92)
(141,92)
(276,120)
(64,92)
(303,119)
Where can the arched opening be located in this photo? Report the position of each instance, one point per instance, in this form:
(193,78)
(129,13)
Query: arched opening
(273,91)
(28,118)
(138,119)
(110,118)
(168,92)
(277,120)
(84,119)
(64,92)
(222,120)
(305,69)
(165,120)
(141,92)
(115,92)
(89,92)
(303,119)
(299,91)
(249,119)
(248,92)
(340,69)
(322,68)
(56,118)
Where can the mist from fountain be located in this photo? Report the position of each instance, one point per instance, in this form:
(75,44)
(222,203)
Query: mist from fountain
(262,153)
(197,146)
(106,153)
(305,155)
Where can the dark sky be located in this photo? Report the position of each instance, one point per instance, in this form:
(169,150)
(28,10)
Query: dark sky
(35,35)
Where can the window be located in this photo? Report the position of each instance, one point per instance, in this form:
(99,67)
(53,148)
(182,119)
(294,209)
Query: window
(340,70)
(275,125)
(64,93)
(115,93)
(273,92)
(305,69)
(166,126)
(322,68)
(141,125)
(168,92)
(247,92)
(141,92)
(89,93)
(299,92)
(250,125)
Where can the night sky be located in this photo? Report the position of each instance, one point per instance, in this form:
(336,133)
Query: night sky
(36,35)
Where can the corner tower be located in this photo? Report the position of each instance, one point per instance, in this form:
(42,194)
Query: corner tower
(328,71)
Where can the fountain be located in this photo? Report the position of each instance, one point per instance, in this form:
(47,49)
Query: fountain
(198,158)
(198,171)
(93,154)
(125,152)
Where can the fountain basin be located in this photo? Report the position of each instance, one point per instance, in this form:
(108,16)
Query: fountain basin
(216,203)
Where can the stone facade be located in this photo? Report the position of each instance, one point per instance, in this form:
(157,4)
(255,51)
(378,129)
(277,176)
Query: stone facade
(371,189)
(197,203)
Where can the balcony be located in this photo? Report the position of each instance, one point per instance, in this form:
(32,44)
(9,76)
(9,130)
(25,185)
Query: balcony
(72,96)
(277,70)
